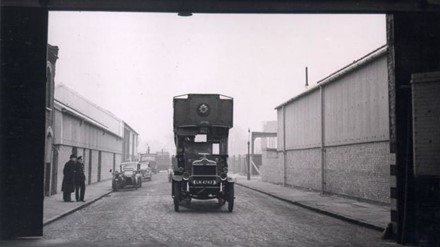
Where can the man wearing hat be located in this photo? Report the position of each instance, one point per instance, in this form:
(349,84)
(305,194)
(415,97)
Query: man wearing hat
(68,180)
(80,180)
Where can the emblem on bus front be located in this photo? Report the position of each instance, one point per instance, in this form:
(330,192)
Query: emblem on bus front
(203,110)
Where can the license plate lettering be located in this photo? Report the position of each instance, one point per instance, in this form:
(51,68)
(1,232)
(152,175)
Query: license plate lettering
(204,182)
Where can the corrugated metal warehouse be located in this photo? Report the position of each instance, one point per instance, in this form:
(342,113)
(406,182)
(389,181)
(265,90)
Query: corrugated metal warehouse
(335,136)
(85,129)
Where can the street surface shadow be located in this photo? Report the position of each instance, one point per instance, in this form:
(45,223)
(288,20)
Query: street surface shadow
(203,206)
(127,190)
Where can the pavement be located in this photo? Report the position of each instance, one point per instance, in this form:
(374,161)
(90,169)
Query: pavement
(55,208)
(371,215)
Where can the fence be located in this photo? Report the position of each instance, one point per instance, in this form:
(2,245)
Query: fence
(238,164)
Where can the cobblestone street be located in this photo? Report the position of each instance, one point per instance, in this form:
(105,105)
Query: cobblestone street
(147,215)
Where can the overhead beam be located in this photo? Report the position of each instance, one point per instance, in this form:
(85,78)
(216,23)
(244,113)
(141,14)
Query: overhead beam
(255,134)
(234,6)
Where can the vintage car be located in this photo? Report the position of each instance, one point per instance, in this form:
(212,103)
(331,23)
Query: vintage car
(129,175)
(146,171)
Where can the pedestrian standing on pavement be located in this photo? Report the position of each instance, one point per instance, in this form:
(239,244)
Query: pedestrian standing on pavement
(68,178)
(80,180)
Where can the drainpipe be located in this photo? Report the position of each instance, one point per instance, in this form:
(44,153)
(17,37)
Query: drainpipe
(248,160)
(321,90)
(252,153)
(307,78)
(284,145)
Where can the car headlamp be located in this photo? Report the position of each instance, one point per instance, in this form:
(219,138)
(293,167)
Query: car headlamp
(180,169)
(185,176)
(223,176)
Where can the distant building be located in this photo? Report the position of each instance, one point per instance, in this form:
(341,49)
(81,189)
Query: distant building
(269,142)
(129,144)
(238,138)
(163,160)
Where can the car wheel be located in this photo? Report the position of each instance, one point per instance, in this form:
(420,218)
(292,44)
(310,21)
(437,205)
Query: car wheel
(176,198)
(231,197)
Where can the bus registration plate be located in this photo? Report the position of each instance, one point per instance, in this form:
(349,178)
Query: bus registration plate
(204,182)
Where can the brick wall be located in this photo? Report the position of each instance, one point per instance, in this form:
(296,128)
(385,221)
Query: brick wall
(360,170)
(426,121)
(272,167)
(426,147)
(303,168)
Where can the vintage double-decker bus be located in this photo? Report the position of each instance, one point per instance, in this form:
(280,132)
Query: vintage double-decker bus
(201,128)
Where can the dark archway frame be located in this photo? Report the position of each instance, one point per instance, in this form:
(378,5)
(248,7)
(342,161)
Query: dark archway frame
(413,38)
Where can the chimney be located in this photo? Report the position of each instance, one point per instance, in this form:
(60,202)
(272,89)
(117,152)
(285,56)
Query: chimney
(307,78)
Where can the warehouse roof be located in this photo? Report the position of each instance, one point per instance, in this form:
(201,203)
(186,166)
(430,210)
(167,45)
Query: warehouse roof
(372,56)
(130,128)
(79,106)
(71,111)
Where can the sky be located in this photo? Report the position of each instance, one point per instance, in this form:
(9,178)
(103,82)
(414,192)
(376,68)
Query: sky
(132,64)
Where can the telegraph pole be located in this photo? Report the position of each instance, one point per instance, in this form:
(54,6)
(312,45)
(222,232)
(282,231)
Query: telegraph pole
(249,157)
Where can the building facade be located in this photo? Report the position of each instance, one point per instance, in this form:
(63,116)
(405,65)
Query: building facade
(334,137)
(84,129)
(269,142)
(52,56)
(130,143)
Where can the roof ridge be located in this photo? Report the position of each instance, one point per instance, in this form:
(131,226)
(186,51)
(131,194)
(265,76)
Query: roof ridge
(88,100)
(340,72)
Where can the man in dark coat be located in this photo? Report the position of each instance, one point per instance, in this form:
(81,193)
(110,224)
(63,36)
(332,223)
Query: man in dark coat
(68,180)
(80,180)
